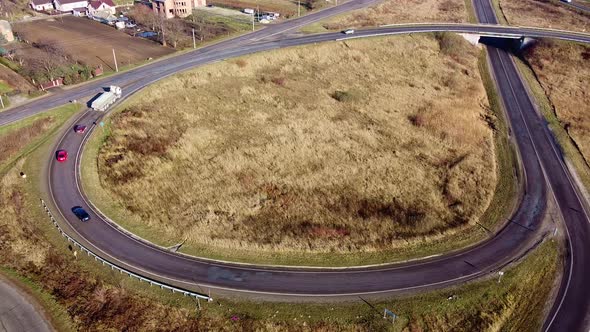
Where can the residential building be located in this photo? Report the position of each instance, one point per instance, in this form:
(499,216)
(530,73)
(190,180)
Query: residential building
(97,6)
(40,5)
(69,5)
(80,12)
(180,8)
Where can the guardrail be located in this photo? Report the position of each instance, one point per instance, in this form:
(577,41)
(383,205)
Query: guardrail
(118,268)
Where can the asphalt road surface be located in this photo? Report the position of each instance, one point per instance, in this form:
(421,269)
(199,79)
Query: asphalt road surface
(17,313)
(542,163)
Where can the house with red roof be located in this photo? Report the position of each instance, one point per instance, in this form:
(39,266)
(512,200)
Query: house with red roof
(101,7)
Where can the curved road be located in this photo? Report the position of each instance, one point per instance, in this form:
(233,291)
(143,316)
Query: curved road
(541,160)
(17,312)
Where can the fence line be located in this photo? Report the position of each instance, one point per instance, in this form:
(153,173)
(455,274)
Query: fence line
(120,269)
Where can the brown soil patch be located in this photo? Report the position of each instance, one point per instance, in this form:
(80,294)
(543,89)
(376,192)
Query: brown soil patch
(90,42)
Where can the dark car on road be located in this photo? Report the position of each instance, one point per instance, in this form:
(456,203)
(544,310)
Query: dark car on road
(80,129)
(81,213)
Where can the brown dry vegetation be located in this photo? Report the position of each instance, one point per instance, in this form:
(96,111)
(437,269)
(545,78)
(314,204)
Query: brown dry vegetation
(96,299)
(563,69)
(544,13)
(402,11)
(13,141)
(338,147)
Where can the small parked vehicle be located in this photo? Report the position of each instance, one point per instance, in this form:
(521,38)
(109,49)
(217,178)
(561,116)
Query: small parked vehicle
(348,31)
(61,155)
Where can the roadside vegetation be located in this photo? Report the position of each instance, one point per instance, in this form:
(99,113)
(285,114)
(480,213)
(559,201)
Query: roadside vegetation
(544,13)
(358,166)
(81,295)
(287,8)
(559,75)
(401,11)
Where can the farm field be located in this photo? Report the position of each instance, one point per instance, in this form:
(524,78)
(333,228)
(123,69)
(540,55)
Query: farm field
(392,160)
(401,11)
(544,13)
(90,42)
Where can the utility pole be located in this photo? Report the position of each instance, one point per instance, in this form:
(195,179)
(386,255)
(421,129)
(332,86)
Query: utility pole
(252,21)
(500,274)
(194,41)
(115,58)
(298,8)
(1,101)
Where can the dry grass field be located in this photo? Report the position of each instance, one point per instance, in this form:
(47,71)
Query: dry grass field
(401,11)
(345,147)
(544,13)
(82,295)
(563,69)
(90,42)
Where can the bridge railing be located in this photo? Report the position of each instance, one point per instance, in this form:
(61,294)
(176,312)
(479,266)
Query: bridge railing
(118,268)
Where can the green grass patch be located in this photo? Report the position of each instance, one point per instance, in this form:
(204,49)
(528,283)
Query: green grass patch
(10,64)
(314,28)
(233,23)
(4,87)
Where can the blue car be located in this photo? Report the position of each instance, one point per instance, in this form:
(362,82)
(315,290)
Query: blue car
(81,213)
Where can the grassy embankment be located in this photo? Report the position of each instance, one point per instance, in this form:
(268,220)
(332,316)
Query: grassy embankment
(396,12)
(411,133)
(543,13)
(558,74)
(80,294)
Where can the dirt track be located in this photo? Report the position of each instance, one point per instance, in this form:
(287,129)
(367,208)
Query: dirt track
(91,42)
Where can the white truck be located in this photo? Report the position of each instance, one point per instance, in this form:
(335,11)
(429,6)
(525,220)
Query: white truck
(106,99)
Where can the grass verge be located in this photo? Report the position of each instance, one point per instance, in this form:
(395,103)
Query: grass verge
(566,143)
(80,294)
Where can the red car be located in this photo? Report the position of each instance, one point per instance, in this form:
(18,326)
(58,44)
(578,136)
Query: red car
(80,129)
(62,155)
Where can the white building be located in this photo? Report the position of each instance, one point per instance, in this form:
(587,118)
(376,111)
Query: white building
(95,7)
(69,5)
(40,5)
(6,31)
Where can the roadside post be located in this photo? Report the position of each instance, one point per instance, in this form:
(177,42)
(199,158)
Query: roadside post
(389,313)
(1,101)
(500,274)
(115,58)
(194,41)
